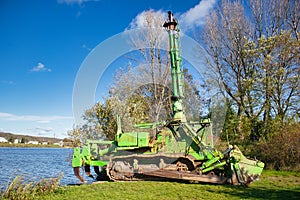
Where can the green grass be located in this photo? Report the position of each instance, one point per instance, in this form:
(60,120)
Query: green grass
(272,185)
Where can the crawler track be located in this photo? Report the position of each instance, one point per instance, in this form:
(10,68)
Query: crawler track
(158,167)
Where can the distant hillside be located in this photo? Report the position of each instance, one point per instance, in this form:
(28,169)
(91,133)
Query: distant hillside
(29,137)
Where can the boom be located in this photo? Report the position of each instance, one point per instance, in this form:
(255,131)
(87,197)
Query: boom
(176,69)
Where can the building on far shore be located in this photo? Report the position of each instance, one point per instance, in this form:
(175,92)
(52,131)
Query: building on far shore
(33,142)
(2,139)
(60,143)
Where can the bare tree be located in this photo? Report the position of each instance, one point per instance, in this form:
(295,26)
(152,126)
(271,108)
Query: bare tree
(153,62)
(276,36)
(255,55)
(154,65)
(224,39)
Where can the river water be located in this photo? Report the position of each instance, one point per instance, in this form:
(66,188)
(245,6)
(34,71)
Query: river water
(35,164)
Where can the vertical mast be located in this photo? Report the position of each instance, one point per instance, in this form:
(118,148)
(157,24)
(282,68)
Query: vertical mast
(176,69)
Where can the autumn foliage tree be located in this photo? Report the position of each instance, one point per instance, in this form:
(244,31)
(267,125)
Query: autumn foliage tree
(254,52)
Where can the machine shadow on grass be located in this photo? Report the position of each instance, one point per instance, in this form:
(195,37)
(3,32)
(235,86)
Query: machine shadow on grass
(259,193)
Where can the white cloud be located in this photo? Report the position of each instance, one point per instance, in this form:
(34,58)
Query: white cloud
(139,20)
(196,15)
(38,119)
(43,130)
(36,125)
(6,82)
(40,68)
(44,121)
(86,47)
(74,1)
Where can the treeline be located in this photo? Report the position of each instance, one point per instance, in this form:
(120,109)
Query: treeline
(25,138)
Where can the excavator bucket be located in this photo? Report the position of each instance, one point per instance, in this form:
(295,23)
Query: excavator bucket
(245,170)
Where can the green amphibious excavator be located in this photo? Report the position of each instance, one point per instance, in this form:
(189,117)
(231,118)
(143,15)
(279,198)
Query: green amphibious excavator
(172,150)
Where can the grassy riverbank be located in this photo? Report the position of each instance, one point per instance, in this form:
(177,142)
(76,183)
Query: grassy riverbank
(272,185)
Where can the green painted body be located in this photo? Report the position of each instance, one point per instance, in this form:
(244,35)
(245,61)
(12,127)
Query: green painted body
(192,141)
(176,71)
(77,158)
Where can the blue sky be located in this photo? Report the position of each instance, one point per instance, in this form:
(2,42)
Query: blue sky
(43,44)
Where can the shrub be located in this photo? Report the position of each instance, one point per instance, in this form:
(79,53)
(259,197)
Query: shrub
(20,188)
(282,150)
